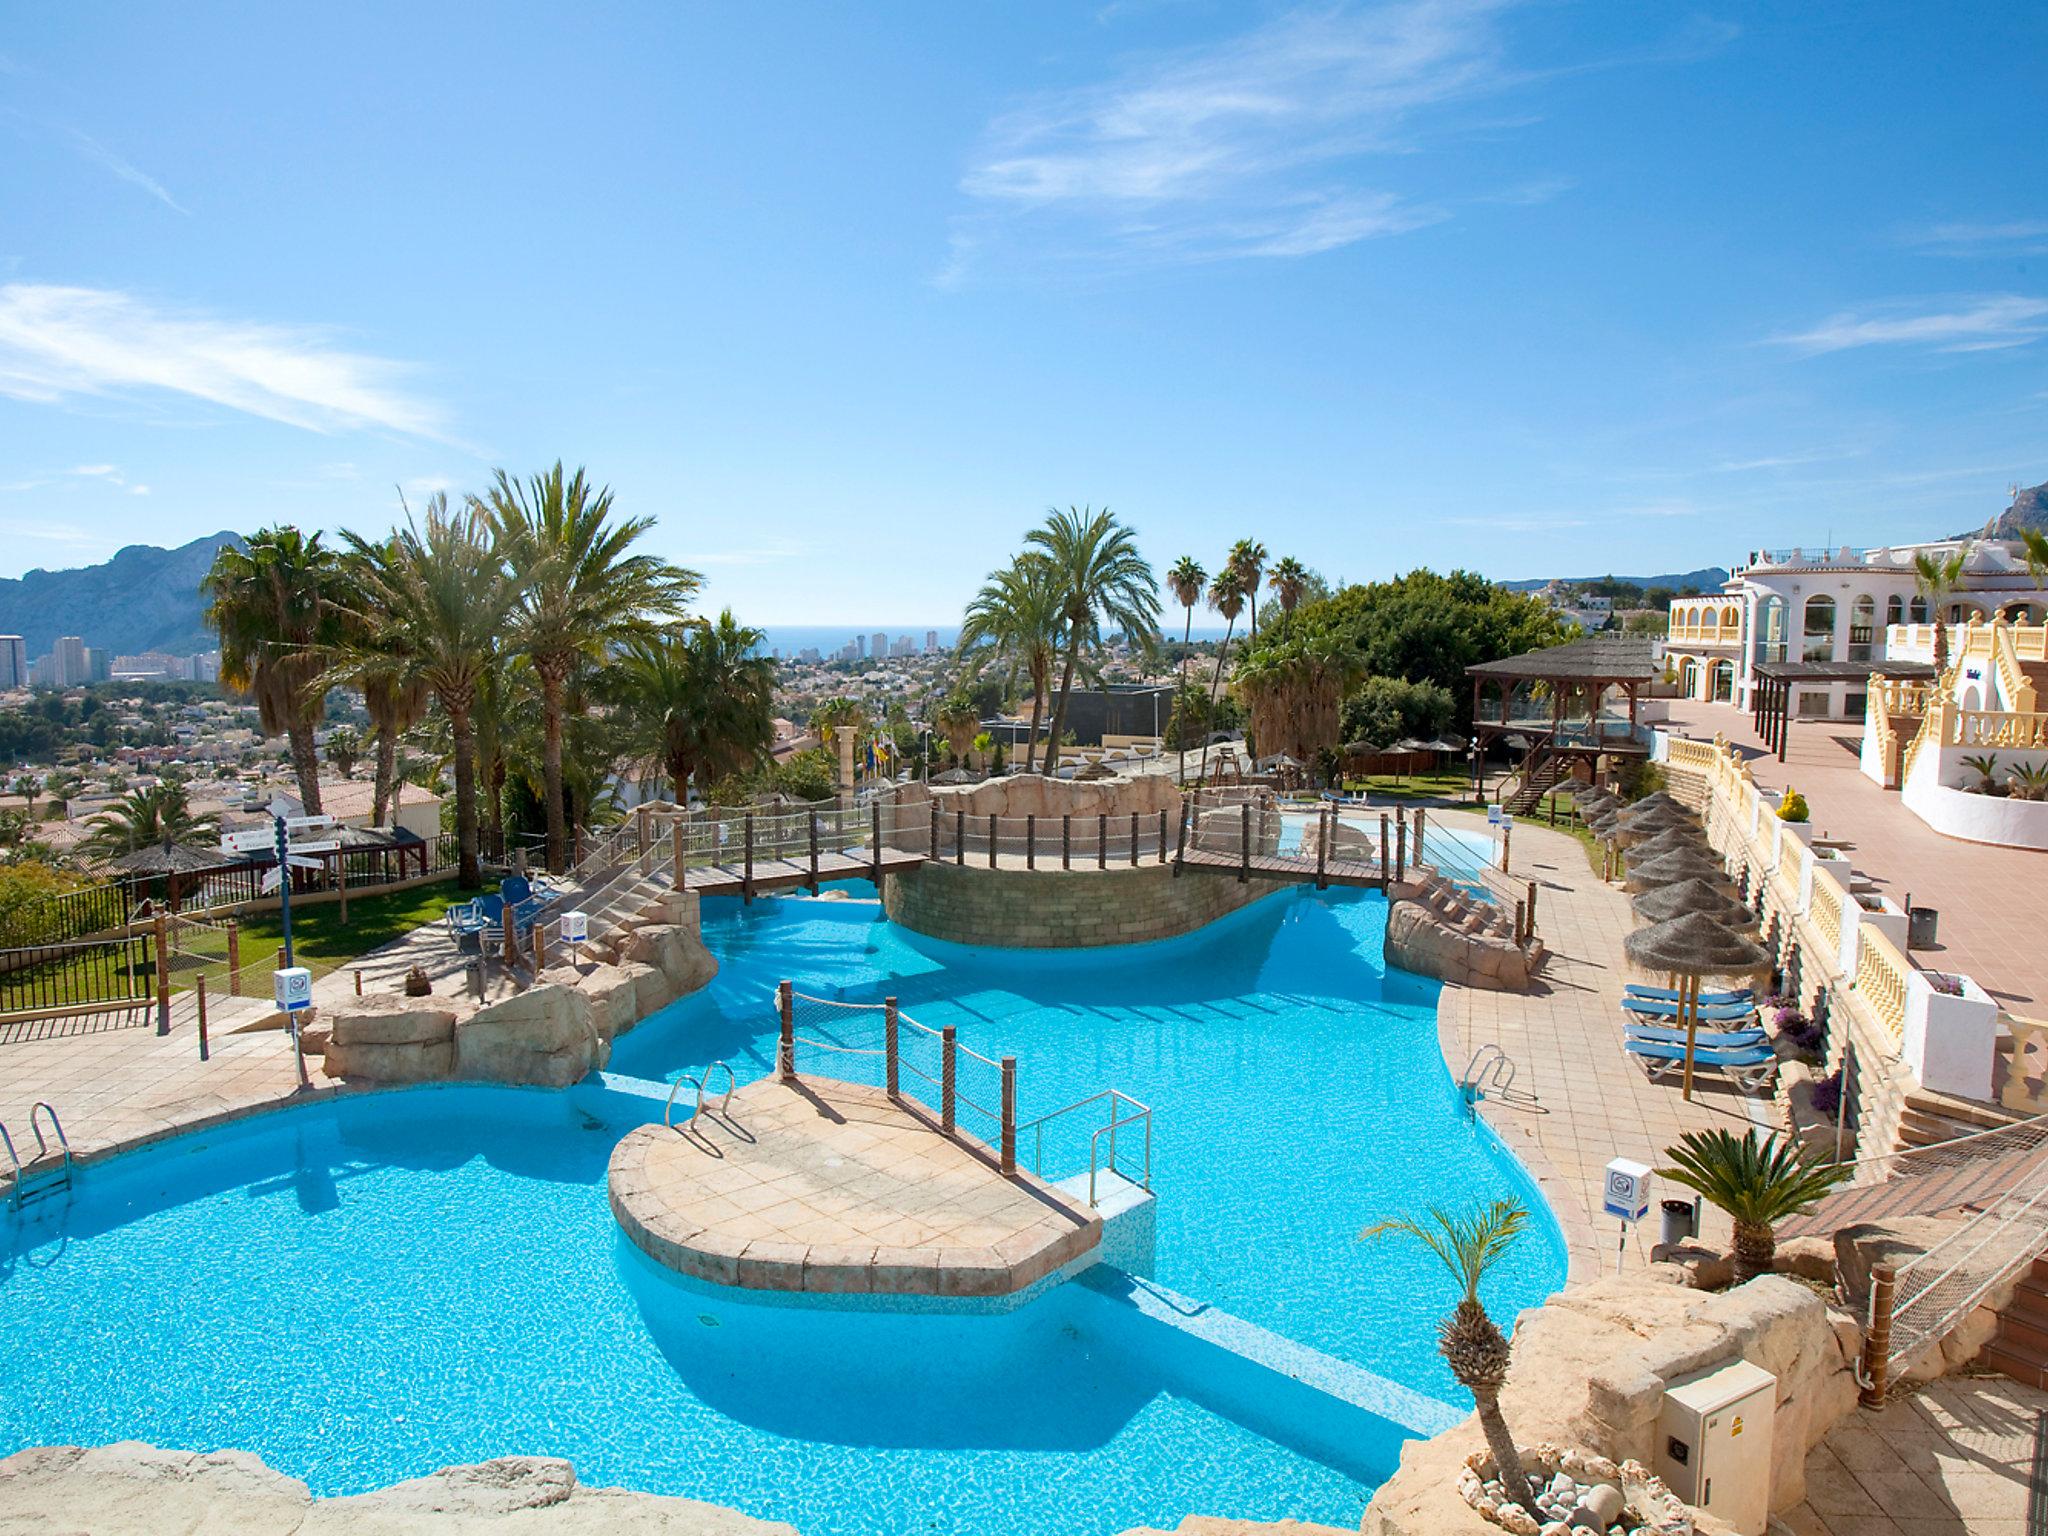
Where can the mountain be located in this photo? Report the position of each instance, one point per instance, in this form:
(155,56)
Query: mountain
(1706,579)
(2029,509)
(144,599)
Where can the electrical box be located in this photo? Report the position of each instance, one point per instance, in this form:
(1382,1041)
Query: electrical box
(1714,1443)
(575,927)
(293,988)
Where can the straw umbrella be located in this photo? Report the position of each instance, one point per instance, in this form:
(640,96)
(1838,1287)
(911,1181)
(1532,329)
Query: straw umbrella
(1662,903)
(1670,840)
(1692,948)
(1670,868)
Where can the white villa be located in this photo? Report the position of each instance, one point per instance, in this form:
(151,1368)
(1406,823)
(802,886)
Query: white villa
(1793,605)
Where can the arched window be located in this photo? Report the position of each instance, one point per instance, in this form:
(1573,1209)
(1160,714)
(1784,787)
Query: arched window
(1918,612)
(2017,613)
(1772,633)
(1862,628)
(1961,612)
(1817,641)
(1894,610)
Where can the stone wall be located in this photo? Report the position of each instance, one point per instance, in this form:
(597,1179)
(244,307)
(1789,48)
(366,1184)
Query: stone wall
(1057,909)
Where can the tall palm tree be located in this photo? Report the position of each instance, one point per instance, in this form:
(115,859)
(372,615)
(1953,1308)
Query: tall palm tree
(1226,596)
(1289,579)
(579,593)
(277,607)
(1758,1184)
(1015,623)
(1247,558)
(1102,581)
(700,699)
(958,721)
(442,595)
(144,818)
(1935,577)
(1187,580)
(28,786)
(395,704)
(1471,1342)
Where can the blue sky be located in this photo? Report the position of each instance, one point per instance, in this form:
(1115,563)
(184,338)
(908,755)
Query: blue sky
(846,296)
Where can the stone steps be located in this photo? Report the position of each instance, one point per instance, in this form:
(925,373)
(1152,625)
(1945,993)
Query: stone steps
(2020,1347)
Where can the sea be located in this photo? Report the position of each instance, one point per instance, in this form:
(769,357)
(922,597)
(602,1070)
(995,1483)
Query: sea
(791,640)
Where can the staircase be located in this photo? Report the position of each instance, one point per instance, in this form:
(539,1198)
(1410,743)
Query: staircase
(1537,780)
(2020,1347)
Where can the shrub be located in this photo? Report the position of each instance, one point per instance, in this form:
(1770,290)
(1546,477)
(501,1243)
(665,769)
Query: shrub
(1793,806)
(1827,1095)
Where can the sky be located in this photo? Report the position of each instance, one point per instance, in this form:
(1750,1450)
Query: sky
(847,296)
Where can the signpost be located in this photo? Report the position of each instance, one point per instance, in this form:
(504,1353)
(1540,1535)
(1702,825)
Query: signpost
(292,985)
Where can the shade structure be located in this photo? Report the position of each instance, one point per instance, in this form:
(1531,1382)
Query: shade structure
(1362,748)
(1691,947)
(169,859)
(1652,812)
(1412,744)
(1670,868)
(1689,897)
(1661,800)
(1443,744)
(1654,845)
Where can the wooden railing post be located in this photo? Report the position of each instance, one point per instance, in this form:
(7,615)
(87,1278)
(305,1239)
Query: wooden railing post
(679,855)
(875,843)
(1009,1115)
(785,1055)
(163,973)
(889,1045)
(1521,922)
(1323,834)
(1102,841)
(932,845)
(991,839)
(1877,1343)
(540,948)
(1419,814)
(814,851)
(1400,845)
(1030,841)
(1507,841)
(1180,847)
(1134,839)
(199,982)
(1532,909)
(359,981)
(959,837)
(234,958)
(747,880)
(1066,842)
(1383,850)
(948,1062)
(1244,843)
(1162,836)
(341,886)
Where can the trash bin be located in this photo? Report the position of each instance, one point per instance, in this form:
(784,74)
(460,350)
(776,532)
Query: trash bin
(1921,923)
(1681,1222)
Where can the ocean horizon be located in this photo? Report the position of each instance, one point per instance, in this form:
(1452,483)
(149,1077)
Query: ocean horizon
(789,639)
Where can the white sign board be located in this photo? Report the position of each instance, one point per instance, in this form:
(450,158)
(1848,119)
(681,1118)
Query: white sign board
(261,840)
(1627,1189)
(293,987)
(575,927)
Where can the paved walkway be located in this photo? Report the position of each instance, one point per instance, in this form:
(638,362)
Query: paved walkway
(1592,1103)
(1952,1459)
(1991,925)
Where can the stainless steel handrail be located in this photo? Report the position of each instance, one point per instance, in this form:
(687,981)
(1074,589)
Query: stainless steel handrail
(699,1083)
(1116,1097)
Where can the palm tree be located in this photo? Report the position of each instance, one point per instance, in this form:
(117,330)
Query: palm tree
(277,606)
(344,750)
(1226,596)
(1187,579)
(1247,558)
(2034,551)
(579,594)
(441,595)
(958,721)
(1015,623)
(700,700)
(1472,1342)
(1102,580)
(61,786)
(28,786)
(1934,578)
(1288,580)
(395,704)
(1758,1184)
(145,818)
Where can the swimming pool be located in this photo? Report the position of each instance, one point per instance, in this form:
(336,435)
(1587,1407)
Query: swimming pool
(368,1289)
(1459,852)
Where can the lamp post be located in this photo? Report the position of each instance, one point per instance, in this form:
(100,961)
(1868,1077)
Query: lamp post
(1472,754)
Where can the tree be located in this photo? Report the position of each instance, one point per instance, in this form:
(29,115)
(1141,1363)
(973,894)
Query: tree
(395,704)
(1471,1342)
(1102,581)
(145,818)
(1294,685)
(1289,579)
(278,608)
(2034,551)
(957,720)
(442,596)
(1226,596)
(700,700)
(578,594)
(29,786)
(1383,710)
(1247,558)
(1758,1184)
(1014,625)
(62,786)
(1188,580)
(344,750)
(1935,577)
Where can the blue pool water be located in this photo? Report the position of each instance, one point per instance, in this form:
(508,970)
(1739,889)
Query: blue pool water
(366,1290)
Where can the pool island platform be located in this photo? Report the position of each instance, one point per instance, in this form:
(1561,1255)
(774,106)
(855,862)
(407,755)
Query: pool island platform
(829,1187)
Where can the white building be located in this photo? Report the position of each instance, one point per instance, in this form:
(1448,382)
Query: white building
(68,665)
(1832,605)
(13,662)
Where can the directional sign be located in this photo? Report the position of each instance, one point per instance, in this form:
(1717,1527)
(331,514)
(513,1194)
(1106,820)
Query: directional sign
(327,846)
(262,840)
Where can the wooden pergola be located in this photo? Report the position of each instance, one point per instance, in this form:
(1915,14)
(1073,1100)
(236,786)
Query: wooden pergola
(1590,666)
(1771,684)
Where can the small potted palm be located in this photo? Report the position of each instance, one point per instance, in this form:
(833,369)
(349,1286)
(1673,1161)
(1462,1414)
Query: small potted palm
(1758,1183)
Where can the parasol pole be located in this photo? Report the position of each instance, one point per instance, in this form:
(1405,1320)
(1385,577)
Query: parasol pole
(1689,1005)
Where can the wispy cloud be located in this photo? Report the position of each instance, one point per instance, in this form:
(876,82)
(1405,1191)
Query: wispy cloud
(2013,237)
(1782,461)
(106,159)
(59,344)
(770,552)
(1981,324)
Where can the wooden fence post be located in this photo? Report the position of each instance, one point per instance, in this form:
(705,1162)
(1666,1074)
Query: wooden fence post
(1877,1343)
(540,948)
(814,850)
(1323,833)
(1162,836)
(234,958)
(948,1049)
(163,973)
(889,1046)
(1102,841)
(1009,1115)
(1383,850)
(785,1055)
(991,839)
(1532,909)
(932,845)
(1030,841)
(1400,845)
(359,981)
(1180,847)
(1066,841)
(959,838)
(679,855)
(1419,814)
(341,886)
(747,879)
(199,982)
(1507,839)
(1244,843)
(1134,839)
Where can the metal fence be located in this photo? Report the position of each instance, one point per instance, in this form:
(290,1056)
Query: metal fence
(47,976)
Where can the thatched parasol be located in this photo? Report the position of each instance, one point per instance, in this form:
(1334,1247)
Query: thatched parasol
(1090,772)
(1660,813)
(1692,947)
(1660,800)
(1670,868)
(1362,748)
(168,858)
(1688,898)
(1653,845)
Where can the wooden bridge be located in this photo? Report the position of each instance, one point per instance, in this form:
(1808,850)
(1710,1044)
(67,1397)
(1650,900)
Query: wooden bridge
(1296,868)
(746,879)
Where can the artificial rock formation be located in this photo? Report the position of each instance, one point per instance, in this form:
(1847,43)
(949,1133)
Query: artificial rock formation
(387,1038)
(1434,929)
(1031,794)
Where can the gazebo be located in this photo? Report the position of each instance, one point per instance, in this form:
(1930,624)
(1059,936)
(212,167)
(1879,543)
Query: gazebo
(1578,668)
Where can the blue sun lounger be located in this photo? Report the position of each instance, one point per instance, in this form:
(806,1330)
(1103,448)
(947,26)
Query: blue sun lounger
(1657,1008)
(1706,1039)
(1749,1066)
(1667,995)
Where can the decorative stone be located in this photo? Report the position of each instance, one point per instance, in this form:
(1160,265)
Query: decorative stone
(1599,1508)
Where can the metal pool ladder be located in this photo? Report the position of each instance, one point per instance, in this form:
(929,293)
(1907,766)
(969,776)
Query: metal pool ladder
(698,1083)
(1491,1069)
(34,1182)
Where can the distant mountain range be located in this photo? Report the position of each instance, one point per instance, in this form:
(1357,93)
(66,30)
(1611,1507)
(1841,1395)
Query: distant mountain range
(1706,579)
(2029,509)
(144,599)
